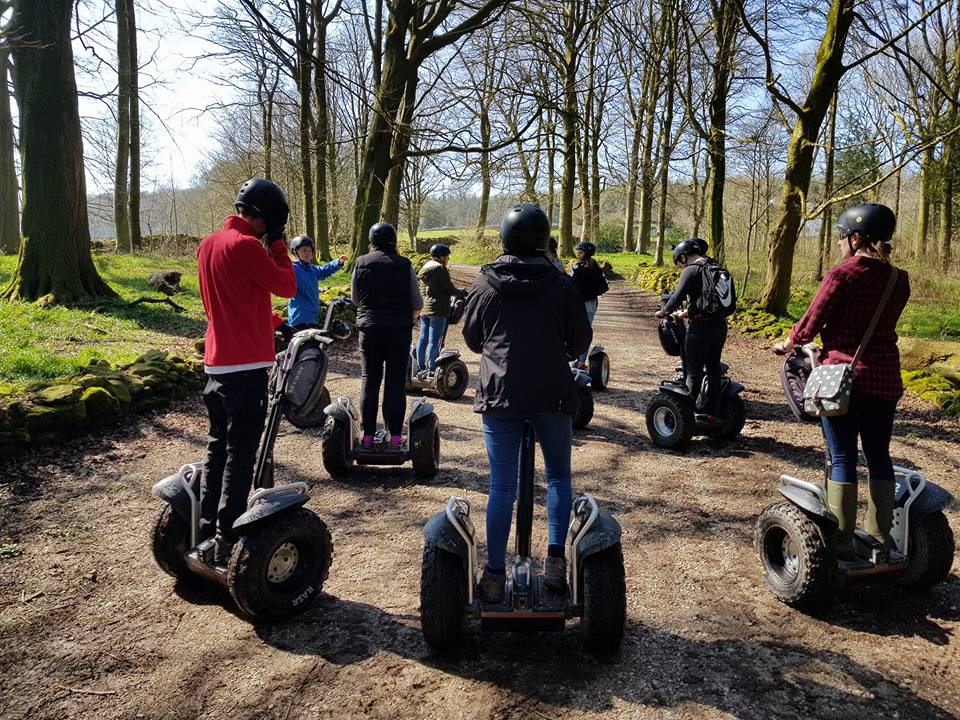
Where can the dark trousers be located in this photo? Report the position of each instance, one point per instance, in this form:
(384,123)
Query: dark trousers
(871,420)
(237,406)
(384,348)
(701,356)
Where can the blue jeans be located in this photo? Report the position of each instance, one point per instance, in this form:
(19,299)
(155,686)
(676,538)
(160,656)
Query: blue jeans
(501,434)
(591,308)
(432,328)
(870,419)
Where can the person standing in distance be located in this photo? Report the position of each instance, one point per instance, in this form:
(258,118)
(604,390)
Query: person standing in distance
(387,296)
(240,267)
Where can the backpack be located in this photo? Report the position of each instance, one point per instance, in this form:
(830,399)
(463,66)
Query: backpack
(718,295)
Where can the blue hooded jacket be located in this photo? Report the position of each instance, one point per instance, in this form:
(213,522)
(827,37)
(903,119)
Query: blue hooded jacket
(304,307)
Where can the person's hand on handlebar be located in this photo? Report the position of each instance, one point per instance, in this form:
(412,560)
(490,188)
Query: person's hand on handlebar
(659,314)
(782,348)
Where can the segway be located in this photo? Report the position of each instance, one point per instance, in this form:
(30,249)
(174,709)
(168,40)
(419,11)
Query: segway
(672,416)
(598,365)
(792,537)
(596,587)
(341,440)
(583,404)
(283,551)
(450,379)
(292,410)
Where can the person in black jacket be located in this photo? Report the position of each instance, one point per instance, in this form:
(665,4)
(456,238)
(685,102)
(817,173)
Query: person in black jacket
(706,335)
(527,321)
(387,295)
(588,279)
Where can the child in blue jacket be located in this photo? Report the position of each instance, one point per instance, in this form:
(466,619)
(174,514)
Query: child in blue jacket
(304,308)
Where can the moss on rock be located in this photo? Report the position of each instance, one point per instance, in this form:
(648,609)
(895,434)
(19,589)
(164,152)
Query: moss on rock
(101,407)
(63,417)
(60,394)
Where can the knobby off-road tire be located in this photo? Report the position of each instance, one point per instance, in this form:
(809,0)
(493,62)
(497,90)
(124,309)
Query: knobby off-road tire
(931,552)
(604,601)
(312,420)
(263,580)
(425,446)
(583,410)
(795,558)
(443,599)
(599,371)
(670,421)
(333,448)
(170,540)
(453,380)
(734,418)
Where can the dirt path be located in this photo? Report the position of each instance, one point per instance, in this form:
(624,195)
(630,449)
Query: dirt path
(91,628)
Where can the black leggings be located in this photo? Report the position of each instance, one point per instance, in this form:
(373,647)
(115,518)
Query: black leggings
(237,405)
(701,355)
(381,347)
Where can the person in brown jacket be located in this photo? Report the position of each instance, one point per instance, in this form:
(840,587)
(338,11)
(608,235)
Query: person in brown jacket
(437,289)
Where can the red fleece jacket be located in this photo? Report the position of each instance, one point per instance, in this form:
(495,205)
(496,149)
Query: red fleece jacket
(237,278)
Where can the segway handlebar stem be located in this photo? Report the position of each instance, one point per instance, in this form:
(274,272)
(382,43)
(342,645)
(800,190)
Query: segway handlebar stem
(525,491)
(580,507)
(458,507)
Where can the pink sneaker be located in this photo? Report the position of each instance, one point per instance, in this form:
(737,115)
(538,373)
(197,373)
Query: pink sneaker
(367,442)
(396,441)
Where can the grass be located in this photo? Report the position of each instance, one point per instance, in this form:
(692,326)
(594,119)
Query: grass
(43,343)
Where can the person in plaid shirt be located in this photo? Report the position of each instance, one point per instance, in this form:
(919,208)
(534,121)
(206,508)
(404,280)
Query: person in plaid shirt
(840,312)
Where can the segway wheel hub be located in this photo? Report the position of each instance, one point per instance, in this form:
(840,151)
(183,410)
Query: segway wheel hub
(283,563)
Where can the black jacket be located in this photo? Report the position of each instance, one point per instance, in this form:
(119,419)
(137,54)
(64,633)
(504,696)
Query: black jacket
(385,291)
(588,279)
(527,321)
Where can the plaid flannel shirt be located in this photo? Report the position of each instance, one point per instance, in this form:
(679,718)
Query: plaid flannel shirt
(840,313)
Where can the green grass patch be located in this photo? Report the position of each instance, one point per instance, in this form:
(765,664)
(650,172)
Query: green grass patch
(9,549)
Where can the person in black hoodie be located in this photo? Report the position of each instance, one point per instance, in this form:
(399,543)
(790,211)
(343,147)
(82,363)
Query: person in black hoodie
(387,295)
(527,321)
(588,279)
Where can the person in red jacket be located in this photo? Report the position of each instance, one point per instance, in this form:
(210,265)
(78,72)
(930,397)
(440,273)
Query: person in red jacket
(240,267)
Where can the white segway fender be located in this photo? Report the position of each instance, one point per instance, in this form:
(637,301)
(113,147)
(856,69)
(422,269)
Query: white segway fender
(270,502)
(592,530)
(810,498)
(177,489)
(446,356)
(452,531)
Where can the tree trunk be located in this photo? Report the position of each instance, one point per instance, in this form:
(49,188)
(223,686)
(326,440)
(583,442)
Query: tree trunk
(322,130)
(823,256)
(55,257)
(332,174)
(375,163)
(946,213)
(646,159)
(133,202)
(630,211)
(696,187)
(826,76)
(665,146)
(586,204)
(304,89)
(9,189)
(399,146)
(485,178)
(121,221)
(923,210)
(551,165)
(568,117)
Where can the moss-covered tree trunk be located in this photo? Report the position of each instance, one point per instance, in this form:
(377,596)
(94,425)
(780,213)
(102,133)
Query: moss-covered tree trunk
(568,117)
(304,68)
(826,221)
(321,133)
(923,205)
(55,261)
(402,135)
(121,220)
(133,200)
(827,72)
(946,213)
(486,179)
(9,189)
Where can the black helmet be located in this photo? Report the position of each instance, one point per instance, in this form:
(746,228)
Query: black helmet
(439,250)
(588,247)
(693,246)
(383,235)
(302,241)
(873,221)
(524,230)
(672,333)
(262,198)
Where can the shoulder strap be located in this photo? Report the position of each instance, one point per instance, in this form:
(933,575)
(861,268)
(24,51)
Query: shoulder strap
(876,315)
